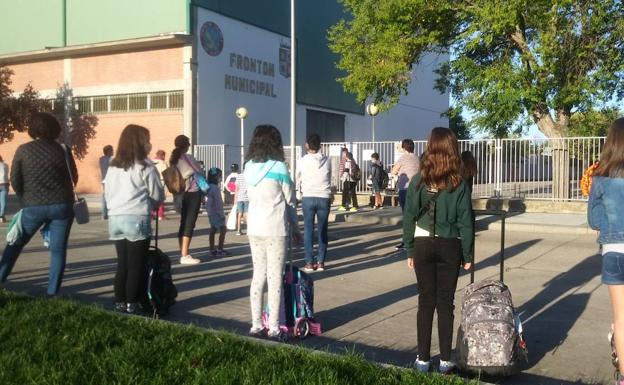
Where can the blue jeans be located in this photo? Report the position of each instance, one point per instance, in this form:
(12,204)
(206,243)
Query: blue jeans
(320,207)
(402,196)
(59,218)
(4,192)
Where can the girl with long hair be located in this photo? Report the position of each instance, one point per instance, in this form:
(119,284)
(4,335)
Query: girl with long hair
(606,214)
(132,189)
(189,202)
(468,168)
(438,234)
(272,208)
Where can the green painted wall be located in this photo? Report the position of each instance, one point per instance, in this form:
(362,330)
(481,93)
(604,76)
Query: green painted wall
(317,74)
(30,25)
(91,21)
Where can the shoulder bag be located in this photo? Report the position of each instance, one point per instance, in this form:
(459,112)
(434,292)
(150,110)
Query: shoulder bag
(81,211)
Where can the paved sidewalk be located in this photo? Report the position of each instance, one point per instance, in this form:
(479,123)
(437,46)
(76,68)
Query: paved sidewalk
(367,298)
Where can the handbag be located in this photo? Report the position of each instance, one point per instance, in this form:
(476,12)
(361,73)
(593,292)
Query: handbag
(81,210)
(199,177)
(231,219)
(15,230)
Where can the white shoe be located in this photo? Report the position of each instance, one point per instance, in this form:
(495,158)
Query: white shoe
(446,366)
(422,366)
(189,260)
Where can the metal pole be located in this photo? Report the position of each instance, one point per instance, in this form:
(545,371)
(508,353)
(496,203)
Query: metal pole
(502,251)
(242,149)
(293,92)
(373,133)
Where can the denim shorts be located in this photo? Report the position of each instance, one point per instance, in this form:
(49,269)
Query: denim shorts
(131,227)
(613,268)
(216,221)
(242,207)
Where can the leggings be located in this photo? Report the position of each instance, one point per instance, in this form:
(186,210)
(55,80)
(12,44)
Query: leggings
(437,270)
(268,255)
(191,203)
(130,283)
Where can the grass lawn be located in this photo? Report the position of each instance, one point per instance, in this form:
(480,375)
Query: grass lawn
(58,341)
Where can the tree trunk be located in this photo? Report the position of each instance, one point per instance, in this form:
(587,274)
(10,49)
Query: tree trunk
(560,152)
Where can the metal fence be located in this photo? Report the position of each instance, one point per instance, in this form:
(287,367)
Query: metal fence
(223,156)
(540,169)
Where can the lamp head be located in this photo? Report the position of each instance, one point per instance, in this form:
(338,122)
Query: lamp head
(372,109)
(241,112)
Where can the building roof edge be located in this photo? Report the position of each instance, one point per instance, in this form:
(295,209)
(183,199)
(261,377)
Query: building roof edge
(159,41)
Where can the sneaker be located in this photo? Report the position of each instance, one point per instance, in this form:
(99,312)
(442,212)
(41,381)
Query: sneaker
(221,253)
(400,246)
(134,308)
(320,266)
(342,208)
(189,260)
(257,333)
(279,336)
(446,367)
(239,233)
(353,210)
(308,268)
(379,207)
(161,218)
(2,219)
(422,366)
(120,307)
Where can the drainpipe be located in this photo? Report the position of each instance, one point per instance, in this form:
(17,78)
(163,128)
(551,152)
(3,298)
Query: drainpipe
(64,9)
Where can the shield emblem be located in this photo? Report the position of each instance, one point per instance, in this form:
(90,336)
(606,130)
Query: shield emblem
(284,60)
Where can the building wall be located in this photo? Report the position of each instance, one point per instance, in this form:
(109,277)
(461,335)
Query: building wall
(118,73)
(128,67)
(41,23)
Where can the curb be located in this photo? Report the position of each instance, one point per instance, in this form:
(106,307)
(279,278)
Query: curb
(540,228)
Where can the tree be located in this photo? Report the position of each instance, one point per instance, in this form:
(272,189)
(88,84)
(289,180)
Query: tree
(514,59)
(457,123)
(15,112)
(593,122)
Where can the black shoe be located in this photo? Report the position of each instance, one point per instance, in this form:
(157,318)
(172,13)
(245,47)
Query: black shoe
(261,333)
(120,307)
(279,337)
(400,246)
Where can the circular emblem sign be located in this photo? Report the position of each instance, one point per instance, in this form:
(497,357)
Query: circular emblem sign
(211,38)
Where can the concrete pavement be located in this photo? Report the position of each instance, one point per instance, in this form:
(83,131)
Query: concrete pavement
(366,300)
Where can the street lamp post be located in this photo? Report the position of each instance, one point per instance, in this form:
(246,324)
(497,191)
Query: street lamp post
(293,90)
(372,109)
(241,113)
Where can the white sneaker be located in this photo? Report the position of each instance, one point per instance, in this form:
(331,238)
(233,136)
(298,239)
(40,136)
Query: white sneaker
(189,260)
(422,366)
(446,366)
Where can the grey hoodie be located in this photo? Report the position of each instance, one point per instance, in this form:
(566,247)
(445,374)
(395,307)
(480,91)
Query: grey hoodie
(314,176)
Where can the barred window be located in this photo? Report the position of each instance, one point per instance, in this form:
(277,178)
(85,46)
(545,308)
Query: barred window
(136,102)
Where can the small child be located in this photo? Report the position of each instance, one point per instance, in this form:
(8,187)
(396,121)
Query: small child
(376,180)
(216,216)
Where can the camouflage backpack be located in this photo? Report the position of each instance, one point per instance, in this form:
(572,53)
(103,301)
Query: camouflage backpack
(489,339)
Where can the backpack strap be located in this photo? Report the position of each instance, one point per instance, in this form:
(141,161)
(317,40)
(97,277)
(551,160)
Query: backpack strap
(427,208)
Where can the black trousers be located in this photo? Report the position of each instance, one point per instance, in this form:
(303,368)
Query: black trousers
(130,279)
(348,193)
(191,203)
(437,264)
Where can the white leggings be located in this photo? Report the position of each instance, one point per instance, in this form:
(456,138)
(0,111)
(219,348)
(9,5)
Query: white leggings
(268,255)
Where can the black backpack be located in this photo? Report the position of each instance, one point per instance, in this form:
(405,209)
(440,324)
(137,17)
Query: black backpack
(385,179)
(161,291)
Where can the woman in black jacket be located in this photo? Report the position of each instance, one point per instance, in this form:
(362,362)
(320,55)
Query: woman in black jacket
(40,176)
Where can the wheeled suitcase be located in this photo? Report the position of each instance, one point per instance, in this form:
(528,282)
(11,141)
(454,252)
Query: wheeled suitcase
(489,340)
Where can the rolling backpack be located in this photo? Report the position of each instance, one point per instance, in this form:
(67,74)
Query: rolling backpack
(161,291)
(489,339)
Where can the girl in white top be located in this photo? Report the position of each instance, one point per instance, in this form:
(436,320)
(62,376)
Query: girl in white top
(131,188)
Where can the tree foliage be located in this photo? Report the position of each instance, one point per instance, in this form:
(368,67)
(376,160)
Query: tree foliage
(15,112)
(593,122)
(509,60)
